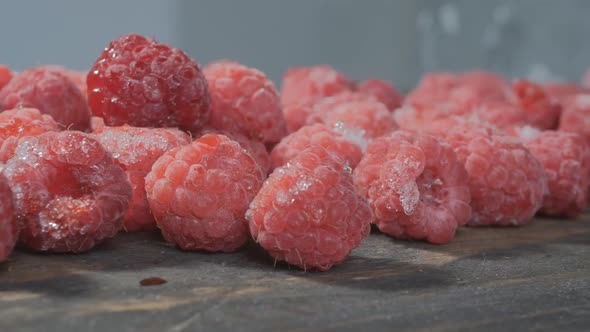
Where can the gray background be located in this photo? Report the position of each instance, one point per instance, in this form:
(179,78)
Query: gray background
(393,39)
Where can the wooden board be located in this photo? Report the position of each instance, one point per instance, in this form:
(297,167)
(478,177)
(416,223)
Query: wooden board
(535,277)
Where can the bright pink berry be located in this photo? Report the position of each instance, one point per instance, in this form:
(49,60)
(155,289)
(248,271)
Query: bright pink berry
(135,150)
(540,110)
(415,186)
(52,93)
(8,225)
(384,91)
(336,141)
(566,159)
(245,101)
(560,92)
(69,194)
(199,193)
(370,116)
(575,117)
(5,75)
(307,213)
(20,123)
(143,83)
(507,182)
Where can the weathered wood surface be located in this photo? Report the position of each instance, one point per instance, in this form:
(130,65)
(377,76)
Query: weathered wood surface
(531,278)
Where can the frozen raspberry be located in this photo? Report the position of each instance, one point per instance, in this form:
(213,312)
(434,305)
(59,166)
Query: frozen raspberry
(415,185)
(566,158)
(143,83)
(307,212)
(5,75)
(254,147)
(308,85)
(8,226)
(135,150)
(575,117)
(507,182)
(244,101)
(199,193)
(370,116)
(19,123)
(69,194)
(96,122)
(489,86)
(560,92)
(51,92)
(331,139)
(296,116)
(77,77)
(433,87)
(384,91)
(541,111)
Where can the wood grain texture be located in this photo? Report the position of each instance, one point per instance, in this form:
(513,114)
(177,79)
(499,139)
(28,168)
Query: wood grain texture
(535,277)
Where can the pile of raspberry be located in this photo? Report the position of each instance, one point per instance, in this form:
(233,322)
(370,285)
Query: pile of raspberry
(215,157)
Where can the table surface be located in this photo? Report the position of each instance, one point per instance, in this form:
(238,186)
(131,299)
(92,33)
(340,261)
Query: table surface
(536,277)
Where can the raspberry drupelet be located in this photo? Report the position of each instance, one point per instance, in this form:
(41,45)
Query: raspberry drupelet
(8,225)
(415,185)
(135,150)
(307,212)
(198,193)
(244,101)
(143,83)
(21,123)
(69,195)
(52,93)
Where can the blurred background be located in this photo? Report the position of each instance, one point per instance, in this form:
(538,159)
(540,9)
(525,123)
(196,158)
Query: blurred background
(393,39)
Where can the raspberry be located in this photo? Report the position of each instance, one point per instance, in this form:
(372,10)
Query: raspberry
(489,86)
(540,110)
(77,77)
(244,101)
(69,194)
(575,117)
(254,147)
(5,76)
(96,122)
(384,91)
(507,182)
(334,141)
(307,212)
(560,92)
(415,186)
(302,87)
(19,123)
(49,91)
(135,150)
(199,193)
(370,116)
(8,225)
(566,159)
(143,83)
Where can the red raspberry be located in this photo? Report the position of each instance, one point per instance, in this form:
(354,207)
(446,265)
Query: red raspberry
(19,123)
(540,110)
(308,85)
(69,194)
(77,77)
(575,117)
(566,158)
(415,185)
(307,212)
(433,87)
(8,225)
(370,116)
(254,147)
(560,92)
(489,86)
(136,150)
(96,122)
(296,116)
(143,83)
(384,91)
(199,193)
(5,76)
(244,101)
(507,182)
(333,140)
(49,91)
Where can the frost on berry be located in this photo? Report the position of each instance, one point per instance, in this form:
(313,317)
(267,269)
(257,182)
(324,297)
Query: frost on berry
(69,194)
(244,101)
(415,186)
(337,141)
(307,212)
(506,181)
(8,225)
(540,110)
(21,123)
(143,83)
(199,193)
(52,93)
(135,150)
